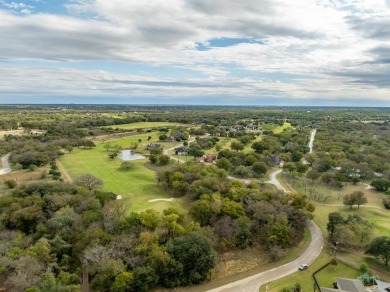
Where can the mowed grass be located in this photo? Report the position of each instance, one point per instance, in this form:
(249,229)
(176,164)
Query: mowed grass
(274,128)
(144,125)
(136,186)
(325,277)
(380,218)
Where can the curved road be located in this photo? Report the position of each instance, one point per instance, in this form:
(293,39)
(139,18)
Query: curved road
(273,180)
(252,283)
(5,165)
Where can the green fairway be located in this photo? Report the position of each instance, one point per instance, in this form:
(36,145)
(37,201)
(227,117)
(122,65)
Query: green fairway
(143,125)
(136,186)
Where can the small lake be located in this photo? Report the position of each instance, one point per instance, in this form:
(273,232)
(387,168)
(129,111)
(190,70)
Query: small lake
(128,155)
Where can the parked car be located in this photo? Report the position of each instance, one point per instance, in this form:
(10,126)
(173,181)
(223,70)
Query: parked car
(303,267)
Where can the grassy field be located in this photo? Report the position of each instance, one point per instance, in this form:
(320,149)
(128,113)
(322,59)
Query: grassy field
(276,129)
(136,186)
(144,125)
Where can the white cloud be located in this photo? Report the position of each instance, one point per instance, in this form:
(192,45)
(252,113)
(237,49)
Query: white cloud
(325,42)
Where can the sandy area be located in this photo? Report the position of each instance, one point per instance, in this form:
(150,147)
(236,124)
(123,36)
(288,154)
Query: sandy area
(157,200)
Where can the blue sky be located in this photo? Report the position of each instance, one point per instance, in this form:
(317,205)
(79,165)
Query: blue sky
(264,52)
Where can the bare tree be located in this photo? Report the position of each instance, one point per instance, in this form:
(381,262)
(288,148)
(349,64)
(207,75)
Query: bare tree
(89,182)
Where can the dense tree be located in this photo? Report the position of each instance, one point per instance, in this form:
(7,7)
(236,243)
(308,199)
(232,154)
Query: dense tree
(236,145)
(356,198)
(195,254)
(380,185)
(380,247)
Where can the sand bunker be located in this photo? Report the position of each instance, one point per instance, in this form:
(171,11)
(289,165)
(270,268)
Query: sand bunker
(157,200)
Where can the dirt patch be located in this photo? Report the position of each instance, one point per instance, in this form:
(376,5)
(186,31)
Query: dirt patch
(162,199)
(239,261)
(11,132)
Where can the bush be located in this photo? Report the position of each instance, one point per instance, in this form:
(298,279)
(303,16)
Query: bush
(368,280)
(11,183)
(127,165)
(363,269)
(386,203)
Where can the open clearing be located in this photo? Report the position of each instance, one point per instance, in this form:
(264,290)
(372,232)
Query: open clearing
(274,128)
(136,186)
(143,125)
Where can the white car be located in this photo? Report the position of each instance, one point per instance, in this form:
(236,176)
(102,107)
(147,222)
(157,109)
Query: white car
(303,267)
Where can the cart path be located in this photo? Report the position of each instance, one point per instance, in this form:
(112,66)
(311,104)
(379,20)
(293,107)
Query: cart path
(5,165)
(274,180)
(64,172)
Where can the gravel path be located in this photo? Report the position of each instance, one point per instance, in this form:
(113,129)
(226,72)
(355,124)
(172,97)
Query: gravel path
(311,142)
(5,165)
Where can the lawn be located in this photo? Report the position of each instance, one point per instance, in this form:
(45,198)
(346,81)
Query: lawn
(136,186)
(144,125)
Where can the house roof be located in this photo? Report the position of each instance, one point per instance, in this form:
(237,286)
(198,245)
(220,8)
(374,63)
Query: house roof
(350,285)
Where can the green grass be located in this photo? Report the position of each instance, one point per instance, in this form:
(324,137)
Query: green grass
(136,186)
(143,125)
(379,218)
(276,129)
(374,212)
(325,277)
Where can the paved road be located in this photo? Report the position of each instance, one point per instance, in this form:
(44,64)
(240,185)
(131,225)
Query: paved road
(273,180)
(252,284)
(5,165)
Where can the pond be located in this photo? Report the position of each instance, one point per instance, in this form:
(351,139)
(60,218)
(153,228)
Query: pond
(128,155)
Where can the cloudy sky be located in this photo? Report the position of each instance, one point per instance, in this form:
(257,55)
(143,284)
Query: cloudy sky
(256,52)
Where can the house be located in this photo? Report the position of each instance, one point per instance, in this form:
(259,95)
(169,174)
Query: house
(151,146)
(170,139)
(181,151)
(252,127)
(208,158)
(276,161)
(354,285)
(36,133)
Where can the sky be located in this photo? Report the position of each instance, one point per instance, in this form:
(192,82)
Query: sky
(223,52)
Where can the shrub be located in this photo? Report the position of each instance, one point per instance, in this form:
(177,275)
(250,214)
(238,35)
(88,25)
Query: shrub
(10,183)
(386,203)
(368,280)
